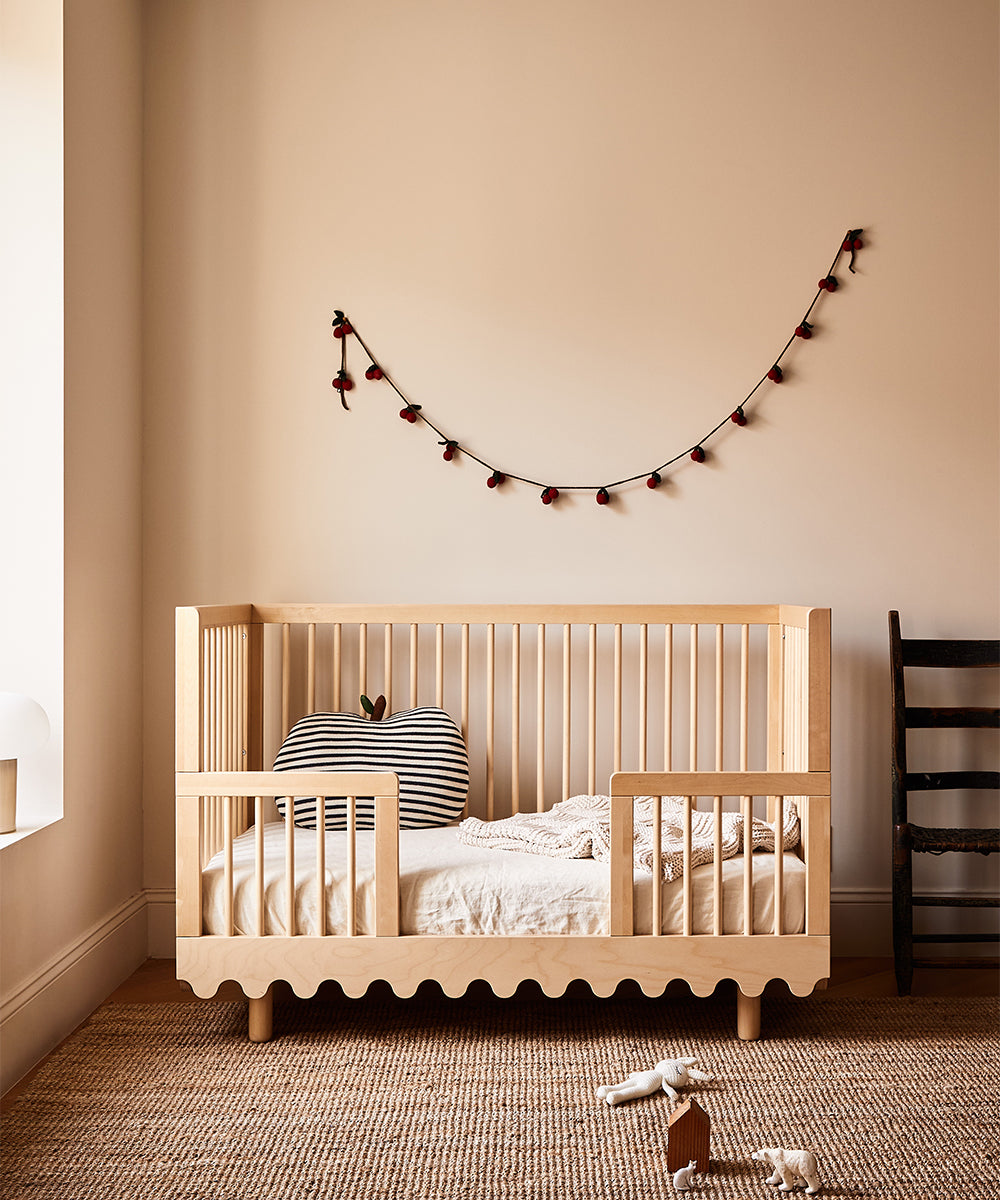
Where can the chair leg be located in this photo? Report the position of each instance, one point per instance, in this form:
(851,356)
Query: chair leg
(261,1017)
(747,1016)
(902,909)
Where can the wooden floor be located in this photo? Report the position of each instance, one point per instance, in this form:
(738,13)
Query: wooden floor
(155,983)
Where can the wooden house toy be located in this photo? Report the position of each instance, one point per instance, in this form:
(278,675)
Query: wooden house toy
(687,1136)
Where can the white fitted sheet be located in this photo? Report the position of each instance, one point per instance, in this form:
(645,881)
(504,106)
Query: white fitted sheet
(449,888)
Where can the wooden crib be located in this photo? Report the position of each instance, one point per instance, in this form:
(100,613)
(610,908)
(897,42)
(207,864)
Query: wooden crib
(727,706)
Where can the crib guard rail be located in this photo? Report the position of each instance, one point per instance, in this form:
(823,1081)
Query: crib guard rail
(811,794)
(210,814)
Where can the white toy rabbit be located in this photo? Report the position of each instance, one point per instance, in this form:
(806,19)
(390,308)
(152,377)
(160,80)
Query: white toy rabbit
(668,1074)
(682,1178)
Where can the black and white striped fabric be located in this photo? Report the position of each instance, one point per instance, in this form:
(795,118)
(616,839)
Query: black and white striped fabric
(423,746)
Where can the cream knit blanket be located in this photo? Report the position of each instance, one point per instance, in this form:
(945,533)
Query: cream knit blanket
(580,827)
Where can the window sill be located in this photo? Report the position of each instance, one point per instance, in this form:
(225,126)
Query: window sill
(31,826)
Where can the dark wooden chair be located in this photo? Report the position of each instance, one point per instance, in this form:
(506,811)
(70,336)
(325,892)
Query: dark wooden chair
(909,839)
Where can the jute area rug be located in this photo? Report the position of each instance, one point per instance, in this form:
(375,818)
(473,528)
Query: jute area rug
(480,1097)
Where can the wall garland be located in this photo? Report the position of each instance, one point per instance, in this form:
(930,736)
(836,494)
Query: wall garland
(343,329)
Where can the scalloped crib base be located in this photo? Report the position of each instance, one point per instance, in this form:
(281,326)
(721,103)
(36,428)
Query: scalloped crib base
(802,961)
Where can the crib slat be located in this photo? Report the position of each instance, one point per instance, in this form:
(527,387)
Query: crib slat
(746,807)
(337,645)
(241,734)
(258,861)
(816,839)
(387,668)
(363,659)
(719,693)
(779,864)
(227,842)
(439,665)
(540,725)
(693,701)
(414,637)
(717,866)
(592,711)
(622,826)
(290,866)
(311,667)
(688,884)
(775,707)
(286,677)
(515,718)
(386,866)
(744,697)
(656,917)
(643,692)
(321,867)
(465,696)
(490,699)
(212,700)
(668,697)
(566,671)
(227,699)
(352,867)
(617,749)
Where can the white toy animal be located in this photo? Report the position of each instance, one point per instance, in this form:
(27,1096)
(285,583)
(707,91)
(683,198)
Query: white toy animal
(682,1178)
(668,1074)
(791,1168)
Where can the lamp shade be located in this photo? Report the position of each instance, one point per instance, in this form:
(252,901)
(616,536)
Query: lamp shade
(23,725)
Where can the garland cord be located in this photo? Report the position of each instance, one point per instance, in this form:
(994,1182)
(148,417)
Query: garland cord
(851,243)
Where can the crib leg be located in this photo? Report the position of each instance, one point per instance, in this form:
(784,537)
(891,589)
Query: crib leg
(261,1021)
(747,1016)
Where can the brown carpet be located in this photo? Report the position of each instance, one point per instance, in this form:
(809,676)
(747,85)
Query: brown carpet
(479,1097)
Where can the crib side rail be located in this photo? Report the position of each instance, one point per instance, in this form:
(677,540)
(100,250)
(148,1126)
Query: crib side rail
(195,790)
(811,793)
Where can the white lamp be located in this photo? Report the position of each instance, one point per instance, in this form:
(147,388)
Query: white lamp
(23,727)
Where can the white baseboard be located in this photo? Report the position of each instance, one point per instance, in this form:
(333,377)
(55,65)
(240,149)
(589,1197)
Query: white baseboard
(42,1010)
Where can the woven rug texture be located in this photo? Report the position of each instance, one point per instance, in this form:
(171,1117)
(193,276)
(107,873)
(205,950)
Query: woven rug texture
(479,1097)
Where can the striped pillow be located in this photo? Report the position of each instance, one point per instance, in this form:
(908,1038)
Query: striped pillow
(423,746)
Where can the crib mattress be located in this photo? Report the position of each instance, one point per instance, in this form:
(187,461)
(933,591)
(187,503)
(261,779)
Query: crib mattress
(447,888)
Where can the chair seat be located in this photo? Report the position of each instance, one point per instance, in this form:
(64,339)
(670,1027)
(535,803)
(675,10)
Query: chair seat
(923,839)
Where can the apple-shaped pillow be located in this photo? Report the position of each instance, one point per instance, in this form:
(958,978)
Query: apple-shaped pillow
(423,746)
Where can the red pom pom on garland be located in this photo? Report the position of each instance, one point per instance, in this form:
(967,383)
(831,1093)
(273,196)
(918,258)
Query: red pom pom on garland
(374,372)
(776,375)
(805,330)
(495,479)
(829,284)
(449,450)
(549,495)
(654,480)
(697,454)
(739,417)
(603,496)
(343,382)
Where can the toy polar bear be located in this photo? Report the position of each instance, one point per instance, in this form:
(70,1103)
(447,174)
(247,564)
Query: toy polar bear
(668,1074)
(791,1167)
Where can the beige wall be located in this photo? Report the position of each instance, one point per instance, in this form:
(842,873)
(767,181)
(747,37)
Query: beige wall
(578,233)
(74,919)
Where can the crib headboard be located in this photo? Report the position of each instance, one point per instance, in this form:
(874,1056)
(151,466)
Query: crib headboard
(551,699)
